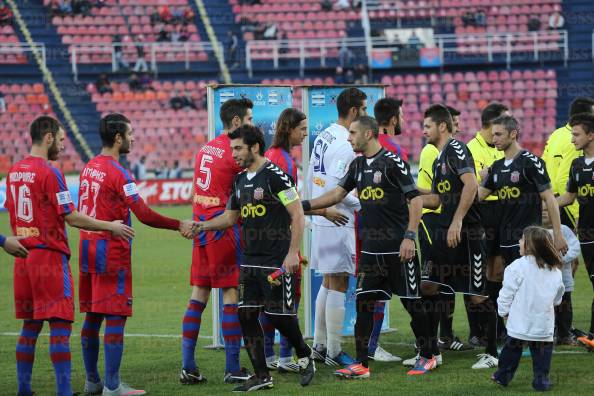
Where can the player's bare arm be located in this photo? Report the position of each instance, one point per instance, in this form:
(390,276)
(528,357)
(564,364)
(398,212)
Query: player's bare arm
(566,199)
(326,200)
(224,221)
(483,193)
(553,208)
(430,201)
(116,227)
(407,246)
(467,196)
(295,209)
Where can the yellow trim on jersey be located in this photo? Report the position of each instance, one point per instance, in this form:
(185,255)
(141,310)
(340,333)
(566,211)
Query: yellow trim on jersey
(484,156)
(426,232)
(425,178)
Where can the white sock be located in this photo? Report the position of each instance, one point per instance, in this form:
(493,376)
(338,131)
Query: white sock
(285,360)
(335,321)
(320,325)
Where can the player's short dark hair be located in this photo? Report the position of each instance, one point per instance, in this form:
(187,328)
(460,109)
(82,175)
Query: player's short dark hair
(385,109)
(250,135)
(43,125)
(492,111)
(581,105)
(111,125)
(234,108)
(369,123)
(438,114)
(349,98)
(508,122)
(586,120)
(454,112)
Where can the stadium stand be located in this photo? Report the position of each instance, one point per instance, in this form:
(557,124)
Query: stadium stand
(10,55)
(24,103)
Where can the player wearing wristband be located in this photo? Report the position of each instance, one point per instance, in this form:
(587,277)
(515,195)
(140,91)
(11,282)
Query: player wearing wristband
(108,192)
(39,203)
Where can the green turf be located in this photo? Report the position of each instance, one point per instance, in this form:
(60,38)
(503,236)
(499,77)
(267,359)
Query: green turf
(161,275)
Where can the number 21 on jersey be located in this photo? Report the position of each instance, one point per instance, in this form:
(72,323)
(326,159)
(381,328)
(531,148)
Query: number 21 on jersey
(88,190)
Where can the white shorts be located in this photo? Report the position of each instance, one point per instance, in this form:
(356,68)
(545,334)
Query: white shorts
(333,249)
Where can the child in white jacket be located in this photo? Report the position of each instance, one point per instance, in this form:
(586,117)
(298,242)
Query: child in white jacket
(532,286)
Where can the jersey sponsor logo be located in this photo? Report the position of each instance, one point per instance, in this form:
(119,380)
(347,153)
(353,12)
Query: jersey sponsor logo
(377,177)
(63,197)
(586,191)
(443,186)
(206,201)
(369,193)
(509,192)
(258,193)
(250,210)
(130,189)
(515,177)
(318,181)
(27,231)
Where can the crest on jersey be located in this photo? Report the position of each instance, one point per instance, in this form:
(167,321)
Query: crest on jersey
(495,177)
(443,168)
(258,193)
(515,177)
(377,177)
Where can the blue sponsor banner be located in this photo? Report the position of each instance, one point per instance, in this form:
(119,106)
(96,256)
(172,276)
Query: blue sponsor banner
(321,113)
(269,102)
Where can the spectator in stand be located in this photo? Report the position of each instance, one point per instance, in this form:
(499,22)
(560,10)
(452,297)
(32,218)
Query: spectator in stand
(139,169)
(270,31)
(232,49)
(140,61)
(468,19)
(534,24)
(161,172)
(184,33)
(102,84)
(146,82)
(175,171)
(361,74)
(5,15)
(342,5)
(480,18)
(165,14)
(556,21)
(66,7)
(163,35)
(345,55)
(2,103)
(326,5)
(339,75)
(81,7)
(119,54)
(349,77)
(178,102)
(134,83)
(188,15)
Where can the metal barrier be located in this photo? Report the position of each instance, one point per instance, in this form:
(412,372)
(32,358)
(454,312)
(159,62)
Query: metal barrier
(20,48)
(191,51)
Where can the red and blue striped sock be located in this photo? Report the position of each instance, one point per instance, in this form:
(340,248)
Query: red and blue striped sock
(113,345)
(59,349)
(269,332)
(190,330)
(25,354)
(232,337)
(378,320)
(89,338)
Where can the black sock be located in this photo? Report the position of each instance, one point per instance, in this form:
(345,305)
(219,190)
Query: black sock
(289,328)
(431,305)
(592,319)
(488,316)
(363,329)
(253,338)
(493,289)
(419,324)
(474,323)
(564,316)
(446,317)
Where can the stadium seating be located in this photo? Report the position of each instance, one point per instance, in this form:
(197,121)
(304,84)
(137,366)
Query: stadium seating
(530,94)
(161,133)
(25,102)
(14,55)
(129,19)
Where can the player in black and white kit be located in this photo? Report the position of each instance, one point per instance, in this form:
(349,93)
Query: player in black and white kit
(458,250)
(521,183)
(580,186)
(390,215)
(272,227)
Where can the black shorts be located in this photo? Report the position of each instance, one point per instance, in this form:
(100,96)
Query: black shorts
(588,254)
(491,216)
(567,218)
(461,269)
(382,275)
(256,292)
(510,251)
(429,223)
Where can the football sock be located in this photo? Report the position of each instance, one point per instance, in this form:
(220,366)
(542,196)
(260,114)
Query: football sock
(59,349)
(89,339)
(289,328)
(25,354)
(488,315)
(335,311)
(285,349)
(113,345)
(320,318)
(232,338)
(253,339)
(474,323)
(446,319)
(190,330)
(363,328)
(378,320)
(269,333)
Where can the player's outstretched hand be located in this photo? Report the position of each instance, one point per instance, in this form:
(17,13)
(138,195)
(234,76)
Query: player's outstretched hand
(13,246)
(407,250)
(336,216)
(186,229)
(561,244)
(119,229)
(291,263)
(454,234)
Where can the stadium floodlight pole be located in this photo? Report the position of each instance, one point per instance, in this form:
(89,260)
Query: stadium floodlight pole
(367,31)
